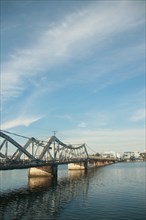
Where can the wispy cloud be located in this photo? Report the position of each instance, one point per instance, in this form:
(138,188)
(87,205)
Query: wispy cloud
(109,139)
(82,125)
(64,117)
(20,121)
(73,36)
(138,115)
(97,119)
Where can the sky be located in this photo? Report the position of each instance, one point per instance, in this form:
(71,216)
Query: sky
(77,68)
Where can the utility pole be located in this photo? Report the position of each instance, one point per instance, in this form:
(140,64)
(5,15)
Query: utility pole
(54,132)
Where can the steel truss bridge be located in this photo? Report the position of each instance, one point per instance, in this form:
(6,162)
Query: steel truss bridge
(35,153)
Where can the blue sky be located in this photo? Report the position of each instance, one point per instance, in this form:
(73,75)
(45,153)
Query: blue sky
(77,67)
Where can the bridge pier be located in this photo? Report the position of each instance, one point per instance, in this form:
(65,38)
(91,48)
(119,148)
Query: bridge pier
(43,171)
(78,166)
(87,164)
(92,163)
(100,163)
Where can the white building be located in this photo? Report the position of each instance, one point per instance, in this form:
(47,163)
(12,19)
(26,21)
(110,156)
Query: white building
(111,154)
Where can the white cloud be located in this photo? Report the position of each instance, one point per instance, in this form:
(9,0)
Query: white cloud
(20,121)
(82,125)
(73,36)
(107,139)
(65,117)
(139,115)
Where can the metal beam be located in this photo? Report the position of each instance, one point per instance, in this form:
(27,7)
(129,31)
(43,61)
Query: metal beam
(17,145)
(46,149)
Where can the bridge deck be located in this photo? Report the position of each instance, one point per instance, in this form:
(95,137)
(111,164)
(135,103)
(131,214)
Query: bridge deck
(10,165)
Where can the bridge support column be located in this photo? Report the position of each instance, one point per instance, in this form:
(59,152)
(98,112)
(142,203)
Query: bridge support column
(43,171)
(91,164)
(100,163)
(78,166)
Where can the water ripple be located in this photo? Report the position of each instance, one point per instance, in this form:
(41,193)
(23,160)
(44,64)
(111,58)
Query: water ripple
(111,193)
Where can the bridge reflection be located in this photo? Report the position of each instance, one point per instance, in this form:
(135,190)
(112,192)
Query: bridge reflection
(44,195)
(40,182)
(46,182)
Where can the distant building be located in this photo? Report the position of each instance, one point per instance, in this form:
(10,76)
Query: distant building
(131,156)
(143,155)
(111,154)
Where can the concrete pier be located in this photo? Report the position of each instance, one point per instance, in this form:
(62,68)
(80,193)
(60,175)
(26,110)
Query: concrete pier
(43,171)
(77,166)
(87,165)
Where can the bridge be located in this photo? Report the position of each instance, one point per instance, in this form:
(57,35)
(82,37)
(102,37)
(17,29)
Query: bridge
(43,157)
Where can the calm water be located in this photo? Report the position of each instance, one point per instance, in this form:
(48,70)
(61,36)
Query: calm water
(108,193)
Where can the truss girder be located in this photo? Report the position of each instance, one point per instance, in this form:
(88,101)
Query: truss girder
(2,144)
(18,153)
(69,152)
(2,155)
(54,150)
(9,139)
(46,149)
(62,151)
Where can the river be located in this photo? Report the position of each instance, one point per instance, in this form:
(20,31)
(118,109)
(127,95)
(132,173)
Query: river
(114,192)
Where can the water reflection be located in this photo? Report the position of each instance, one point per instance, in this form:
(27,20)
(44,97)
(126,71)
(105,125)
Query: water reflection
(44,197)
(111,192)
(75,174)
(40,182)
